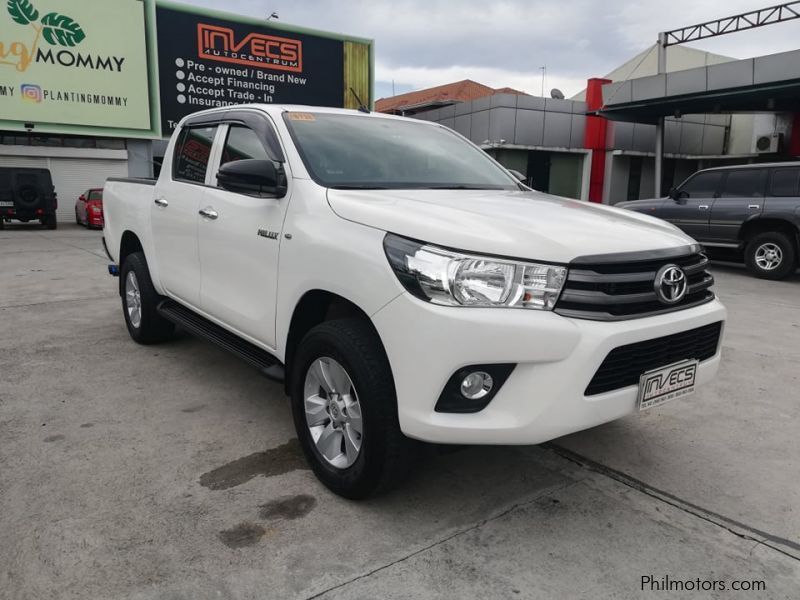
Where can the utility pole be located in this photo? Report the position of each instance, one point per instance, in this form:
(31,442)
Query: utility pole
(543,69)
(662,68)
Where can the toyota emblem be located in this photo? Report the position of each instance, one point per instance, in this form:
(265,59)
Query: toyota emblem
(670,284)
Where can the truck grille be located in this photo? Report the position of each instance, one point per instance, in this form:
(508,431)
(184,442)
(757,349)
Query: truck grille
(622,286)
(624,365)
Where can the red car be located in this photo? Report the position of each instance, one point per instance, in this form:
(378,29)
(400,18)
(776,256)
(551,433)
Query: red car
(89,209)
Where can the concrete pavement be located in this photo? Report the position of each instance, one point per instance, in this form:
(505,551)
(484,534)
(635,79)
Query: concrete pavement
(172,471)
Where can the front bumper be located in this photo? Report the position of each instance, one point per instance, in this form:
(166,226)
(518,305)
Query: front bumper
(556,358)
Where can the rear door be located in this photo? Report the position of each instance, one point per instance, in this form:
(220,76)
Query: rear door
(175,213)
(692,212)
(240,243)
(741,198)
(783,193)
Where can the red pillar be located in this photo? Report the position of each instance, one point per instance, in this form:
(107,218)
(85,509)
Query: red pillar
(595,137)
(794,142)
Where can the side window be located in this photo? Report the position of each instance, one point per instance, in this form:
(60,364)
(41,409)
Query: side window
(784,182)
(192,153)
(242,144)
(747,183)
(703,185)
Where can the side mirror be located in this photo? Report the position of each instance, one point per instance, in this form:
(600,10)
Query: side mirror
(517,174)
(254,177)
(678,196)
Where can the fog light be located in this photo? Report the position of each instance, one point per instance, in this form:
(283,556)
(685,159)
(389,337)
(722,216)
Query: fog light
(476,385)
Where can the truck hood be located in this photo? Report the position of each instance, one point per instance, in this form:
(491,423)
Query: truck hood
(520,224)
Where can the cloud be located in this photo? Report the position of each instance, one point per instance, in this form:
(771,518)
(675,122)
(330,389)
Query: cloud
(420,43)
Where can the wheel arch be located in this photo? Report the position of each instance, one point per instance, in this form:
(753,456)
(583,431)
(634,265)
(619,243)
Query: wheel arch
(759,225)
(129,243)
(315,307)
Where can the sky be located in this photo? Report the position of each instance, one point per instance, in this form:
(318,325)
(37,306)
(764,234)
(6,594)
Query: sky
(423,43)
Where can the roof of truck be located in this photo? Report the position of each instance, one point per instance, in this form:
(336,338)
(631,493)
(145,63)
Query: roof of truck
(277,109)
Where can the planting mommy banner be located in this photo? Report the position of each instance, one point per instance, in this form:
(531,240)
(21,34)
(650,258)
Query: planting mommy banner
(74,62)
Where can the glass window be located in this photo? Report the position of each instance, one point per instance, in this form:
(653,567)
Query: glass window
(747,183)
(79,142)
(192,153)
(242,144)
(349,151)
(784,182)
(703,185)
(95,195)
(111,143)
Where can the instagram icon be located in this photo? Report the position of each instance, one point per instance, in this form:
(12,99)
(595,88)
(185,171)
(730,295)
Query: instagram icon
(30,92)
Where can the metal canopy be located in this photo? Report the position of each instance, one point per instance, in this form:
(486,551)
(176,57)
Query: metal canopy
(764,84)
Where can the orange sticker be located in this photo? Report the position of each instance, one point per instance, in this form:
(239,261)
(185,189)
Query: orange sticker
(301,116)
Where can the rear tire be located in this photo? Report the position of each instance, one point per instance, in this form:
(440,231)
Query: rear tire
(49,222)
(366,391)
(140,301)
(771,255)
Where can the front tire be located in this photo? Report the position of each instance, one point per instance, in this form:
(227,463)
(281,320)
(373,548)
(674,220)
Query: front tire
(771,255)
(345,410)
(140,301)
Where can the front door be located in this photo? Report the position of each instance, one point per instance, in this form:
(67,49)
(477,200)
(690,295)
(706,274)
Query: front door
(692,211)
(175,207)
(240,238)
(741,197)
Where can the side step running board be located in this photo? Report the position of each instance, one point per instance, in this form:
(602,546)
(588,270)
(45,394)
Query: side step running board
(269,366)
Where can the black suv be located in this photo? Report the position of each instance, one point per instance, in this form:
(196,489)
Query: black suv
(27,195)
(754,209)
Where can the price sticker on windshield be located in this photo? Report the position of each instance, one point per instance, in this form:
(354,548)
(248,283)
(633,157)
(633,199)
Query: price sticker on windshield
(301,116)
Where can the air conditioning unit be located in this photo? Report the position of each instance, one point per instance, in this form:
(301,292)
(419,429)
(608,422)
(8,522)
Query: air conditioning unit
(768,144)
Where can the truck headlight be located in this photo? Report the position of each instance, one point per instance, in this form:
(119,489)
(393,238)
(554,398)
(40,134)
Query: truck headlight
(453,278)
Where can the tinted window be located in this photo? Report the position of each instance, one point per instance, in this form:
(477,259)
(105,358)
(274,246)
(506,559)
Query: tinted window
(192,153)
(357,151)
(95,195)
(703,185)
(784,182)
(744,184)
(242,144)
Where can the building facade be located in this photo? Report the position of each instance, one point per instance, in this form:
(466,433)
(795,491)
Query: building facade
(98,95)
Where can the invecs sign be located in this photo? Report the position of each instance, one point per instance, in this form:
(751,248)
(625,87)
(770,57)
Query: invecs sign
(255,50)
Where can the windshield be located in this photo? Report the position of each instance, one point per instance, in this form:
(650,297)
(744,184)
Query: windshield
(349,151)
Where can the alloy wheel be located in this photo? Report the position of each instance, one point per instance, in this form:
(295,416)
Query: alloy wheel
(333,412)
(769,256)
(133,300)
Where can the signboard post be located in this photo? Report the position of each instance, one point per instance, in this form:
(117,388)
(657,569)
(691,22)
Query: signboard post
(209,59)
(76,66)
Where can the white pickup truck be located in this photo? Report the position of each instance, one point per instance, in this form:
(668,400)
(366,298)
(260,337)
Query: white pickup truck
(405,286)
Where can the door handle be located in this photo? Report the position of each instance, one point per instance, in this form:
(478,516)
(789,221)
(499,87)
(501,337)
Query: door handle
(703,207)
(162,202)
(753,206)
(209,213)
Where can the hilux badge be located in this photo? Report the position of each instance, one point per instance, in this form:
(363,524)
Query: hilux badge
(270,235)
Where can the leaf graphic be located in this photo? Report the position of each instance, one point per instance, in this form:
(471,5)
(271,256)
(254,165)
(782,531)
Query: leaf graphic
(22,11)
(61,30)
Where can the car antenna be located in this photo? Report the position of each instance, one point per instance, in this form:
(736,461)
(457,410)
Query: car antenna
(361,106)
